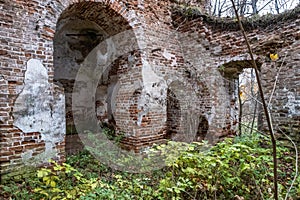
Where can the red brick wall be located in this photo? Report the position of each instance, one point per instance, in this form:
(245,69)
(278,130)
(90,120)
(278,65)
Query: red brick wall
(27,32)
(187,52)
(217,43)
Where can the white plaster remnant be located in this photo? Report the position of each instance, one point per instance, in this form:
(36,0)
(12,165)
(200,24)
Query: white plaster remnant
(101,96)
(37,111)
(291,104)
(211,115)
(3,90)
(141,4)
(104,51)
(216,50)
(170,56)
(153,93)
(27,155)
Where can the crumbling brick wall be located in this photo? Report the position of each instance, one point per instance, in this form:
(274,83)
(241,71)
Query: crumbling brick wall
(221,44)
(167,86)
(32,128)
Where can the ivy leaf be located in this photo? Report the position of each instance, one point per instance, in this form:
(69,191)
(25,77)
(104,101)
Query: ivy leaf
(52,184)
(43,172)
(41,191)
(56,190)
(46,180)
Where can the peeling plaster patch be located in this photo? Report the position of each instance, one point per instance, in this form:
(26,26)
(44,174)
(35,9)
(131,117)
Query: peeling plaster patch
(150,77)
(170,56)
(133,18)
(27,155)
(167,55)
(36,110)
(174,63)
(292,104)
(210,116)
(2,120)
(241,57)
(154,91)
(4,91)
(104,51)
(138,84)
(141,4)
(131,60)
(216,50)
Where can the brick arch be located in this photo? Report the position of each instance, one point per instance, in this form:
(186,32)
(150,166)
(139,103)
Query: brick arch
(65,5)
(85,24)
(44,18)
(82,27)
(112,16)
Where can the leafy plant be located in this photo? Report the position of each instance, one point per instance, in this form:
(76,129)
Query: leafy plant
(63,182)
(234,167)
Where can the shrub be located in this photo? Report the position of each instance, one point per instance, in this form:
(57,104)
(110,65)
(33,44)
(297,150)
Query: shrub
(239,167)
(63,182)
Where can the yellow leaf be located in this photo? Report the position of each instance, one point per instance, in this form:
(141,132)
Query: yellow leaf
(43,172)
(52,184)
(37,189)
(46,179)
(56,190)
(94,185)
(274,56)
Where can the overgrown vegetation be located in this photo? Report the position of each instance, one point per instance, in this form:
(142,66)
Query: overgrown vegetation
(234,168)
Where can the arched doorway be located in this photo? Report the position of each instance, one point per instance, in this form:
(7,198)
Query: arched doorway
(81,28)
(242,90)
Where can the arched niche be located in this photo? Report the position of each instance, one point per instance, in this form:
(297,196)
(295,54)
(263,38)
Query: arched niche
(202,129)
(173,114)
